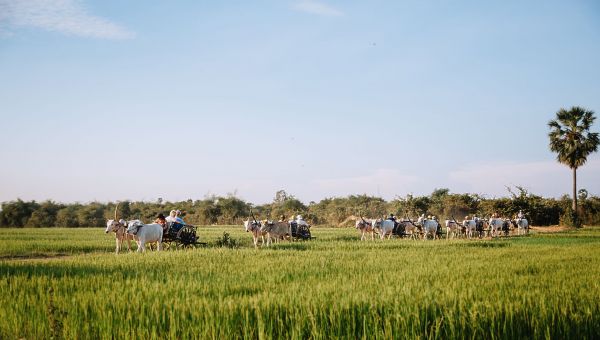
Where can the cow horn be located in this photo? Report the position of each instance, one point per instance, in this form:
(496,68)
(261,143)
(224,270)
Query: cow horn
(116,208)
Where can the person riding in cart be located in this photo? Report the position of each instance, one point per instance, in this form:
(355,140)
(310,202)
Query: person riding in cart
(172,217)
(178,218)
(392,218)
(160,219)
(175,222)
(301,221)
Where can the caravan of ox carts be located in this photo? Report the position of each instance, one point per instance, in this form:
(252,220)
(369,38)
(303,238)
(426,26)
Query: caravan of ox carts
(430,228)
(181,235)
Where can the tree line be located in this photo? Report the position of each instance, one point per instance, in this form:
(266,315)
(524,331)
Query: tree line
(336,212)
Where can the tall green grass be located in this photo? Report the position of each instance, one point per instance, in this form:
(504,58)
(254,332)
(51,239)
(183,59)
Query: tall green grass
(539,286)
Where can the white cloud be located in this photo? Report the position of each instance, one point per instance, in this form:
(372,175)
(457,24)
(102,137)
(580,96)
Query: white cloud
(318,8)
(64,16)
(547,178)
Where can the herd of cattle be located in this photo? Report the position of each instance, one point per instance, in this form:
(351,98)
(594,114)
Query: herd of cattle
(423,228)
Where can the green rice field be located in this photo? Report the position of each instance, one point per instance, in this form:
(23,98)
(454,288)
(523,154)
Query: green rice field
(69,283)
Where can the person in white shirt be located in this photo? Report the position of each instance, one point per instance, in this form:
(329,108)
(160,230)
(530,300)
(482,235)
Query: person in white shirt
(172,217)
(301,221)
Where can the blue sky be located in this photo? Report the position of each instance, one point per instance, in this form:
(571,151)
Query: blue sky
(112,100)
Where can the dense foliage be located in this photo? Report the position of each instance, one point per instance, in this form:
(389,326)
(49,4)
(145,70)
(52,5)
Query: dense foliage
(339,211)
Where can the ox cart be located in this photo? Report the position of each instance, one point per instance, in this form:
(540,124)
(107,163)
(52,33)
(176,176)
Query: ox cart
(300,231)
(178,235)
(401,229)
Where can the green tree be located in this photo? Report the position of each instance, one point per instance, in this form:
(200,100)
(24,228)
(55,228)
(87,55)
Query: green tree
(232,209)
(17,213)
(209,211)
(572,141)
(282,196)
(67,217)
(44,215)
(285,204)
(92,215)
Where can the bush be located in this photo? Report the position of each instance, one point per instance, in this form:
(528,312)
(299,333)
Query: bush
(570,219)
(226,241)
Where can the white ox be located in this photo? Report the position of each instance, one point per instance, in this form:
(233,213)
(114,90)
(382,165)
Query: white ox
(254,228)
(120,229)
(276,230)
(522,225)
(470,227)
(409,228)
(452,227)
(146,233)
(365,228)
(496,225)
(429,227)
(383,227)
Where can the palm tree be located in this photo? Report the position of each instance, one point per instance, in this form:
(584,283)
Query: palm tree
(571,139)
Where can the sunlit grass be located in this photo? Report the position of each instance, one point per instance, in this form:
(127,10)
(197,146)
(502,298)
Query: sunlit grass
(536,286)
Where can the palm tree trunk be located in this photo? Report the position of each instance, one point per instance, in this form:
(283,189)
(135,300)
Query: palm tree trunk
(575,191)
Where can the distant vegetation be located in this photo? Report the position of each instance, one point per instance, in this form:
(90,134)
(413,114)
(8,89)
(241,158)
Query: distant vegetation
(330,211)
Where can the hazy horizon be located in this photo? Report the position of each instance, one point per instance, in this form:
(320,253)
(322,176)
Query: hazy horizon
(111,101)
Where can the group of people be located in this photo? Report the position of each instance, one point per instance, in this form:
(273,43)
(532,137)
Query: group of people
(392,217)
(519,216)
(298,220)
(174,217)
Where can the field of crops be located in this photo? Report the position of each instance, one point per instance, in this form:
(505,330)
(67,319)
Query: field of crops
(69,283)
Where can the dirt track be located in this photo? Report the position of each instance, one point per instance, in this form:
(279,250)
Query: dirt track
(551,229)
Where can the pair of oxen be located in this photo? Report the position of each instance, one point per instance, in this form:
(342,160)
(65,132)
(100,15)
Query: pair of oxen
(497,225)
(135,230)
(387,227)
(273,231)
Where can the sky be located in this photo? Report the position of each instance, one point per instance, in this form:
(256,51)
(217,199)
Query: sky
(112,100)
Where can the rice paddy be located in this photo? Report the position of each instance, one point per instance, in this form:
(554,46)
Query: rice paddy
(68,283)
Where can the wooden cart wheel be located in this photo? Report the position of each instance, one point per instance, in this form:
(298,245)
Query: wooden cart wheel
(187,237)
